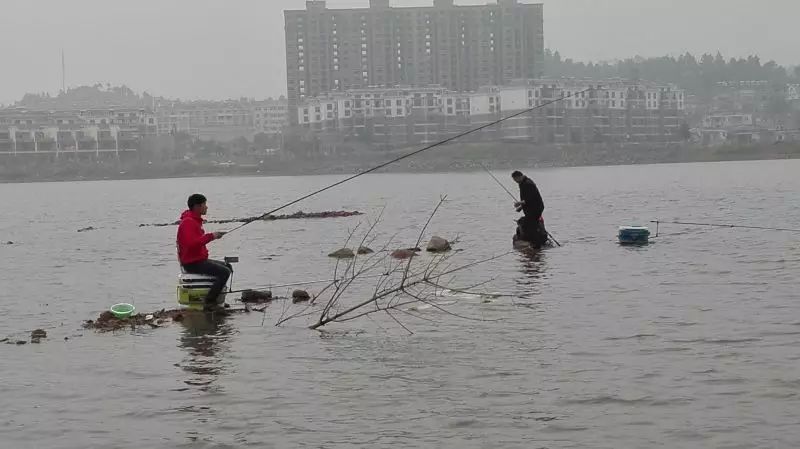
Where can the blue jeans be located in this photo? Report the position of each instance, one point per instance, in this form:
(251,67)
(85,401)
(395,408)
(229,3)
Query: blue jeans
(220,270)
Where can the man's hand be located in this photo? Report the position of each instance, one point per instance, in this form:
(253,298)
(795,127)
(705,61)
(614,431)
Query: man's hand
(219,235)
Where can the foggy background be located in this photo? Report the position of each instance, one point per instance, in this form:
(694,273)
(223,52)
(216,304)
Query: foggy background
(211,49)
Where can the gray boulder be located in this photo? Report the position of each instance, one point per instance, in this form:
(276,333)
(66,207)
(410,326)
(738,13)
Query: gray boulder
(344,253)
(438,245)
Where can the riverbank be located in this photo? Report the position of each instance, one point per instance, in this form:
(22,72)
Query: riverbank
(447,158)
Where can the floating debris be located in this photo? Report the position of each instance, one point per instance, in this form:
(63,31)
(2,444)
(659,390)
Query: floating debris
(9,242)
(294,216)
(39,333)
(108,322)
(89,228)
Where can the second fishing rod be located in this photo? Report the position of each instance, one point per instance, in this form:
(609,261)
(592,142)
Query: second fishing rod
(407,155)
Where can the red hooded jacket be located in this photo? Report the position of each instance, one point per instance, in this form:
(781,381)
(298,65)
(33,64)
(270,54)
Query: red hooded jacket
(192,239)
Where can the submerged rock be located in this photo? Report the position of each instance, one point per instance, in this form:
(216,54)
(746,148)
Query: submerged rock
(365,250)
(39,333)
(403,254)
(89,228)
(438,245)
(300,296)
(253,296)
(344,253)
(9,242)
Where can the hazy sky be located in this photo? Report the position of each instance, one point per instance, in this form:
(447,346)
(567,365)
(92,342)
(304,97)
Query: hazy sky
(232,48)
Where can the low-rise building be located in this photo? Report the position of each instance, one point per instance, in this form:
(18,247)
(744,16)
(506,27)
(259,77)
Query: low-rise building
(24,130)
(568,111)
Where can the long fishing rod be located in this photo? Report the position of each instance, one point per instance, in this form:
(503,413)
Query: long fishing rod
(722,225)
(301,283)
(498,182)
(397,159)
(512,196)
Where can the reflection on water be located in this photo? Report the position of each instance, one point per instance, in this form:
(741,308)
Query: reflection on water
(532,266)
(206,338)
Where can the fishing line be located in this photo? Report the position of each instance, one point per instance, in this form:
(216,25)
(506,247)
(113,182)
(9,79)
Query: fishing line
(397,159)
(513,197)
(722,225)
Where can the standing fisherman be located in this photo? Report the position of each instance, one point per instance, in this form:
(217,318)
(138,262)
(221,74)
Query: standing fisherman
(531,203)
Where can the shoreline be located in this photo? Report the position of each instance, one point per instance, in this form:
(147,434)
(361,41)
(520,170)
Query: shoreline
(460,160)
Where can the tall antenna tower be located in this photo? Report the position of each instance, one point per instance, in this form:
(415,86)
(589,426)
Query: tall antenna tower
(63,73)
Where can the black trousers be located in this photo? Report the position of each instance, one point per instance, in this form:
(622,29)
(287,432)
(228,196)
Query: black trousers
(220,270)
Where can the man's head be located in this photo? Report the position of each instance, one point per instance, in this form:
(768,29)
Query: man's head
(517,176)
(197,203)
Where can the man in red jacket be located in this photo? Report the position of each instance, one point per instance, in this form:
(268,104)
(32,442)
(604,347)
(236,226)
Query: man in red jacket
(192,251)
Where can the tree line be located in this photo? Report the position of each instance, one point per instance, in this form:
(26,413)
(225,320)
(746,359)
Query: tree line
(702,76)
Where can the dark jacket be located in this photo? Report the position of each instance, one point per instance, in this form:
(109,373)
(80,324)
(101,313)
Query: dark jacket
(529,194)
(192,239)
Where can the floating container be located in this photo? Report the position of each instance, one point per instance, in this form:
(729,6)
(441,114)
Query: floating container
(633,235)
(122,310)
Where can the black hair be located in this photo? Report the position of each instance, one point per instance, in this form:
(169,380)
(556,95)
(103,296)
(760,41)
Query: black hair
(195,199)
(516,174)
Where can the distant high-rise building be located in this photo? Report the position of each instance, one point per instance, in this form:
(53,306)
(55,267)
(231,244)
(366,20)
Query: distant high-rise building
(457,47)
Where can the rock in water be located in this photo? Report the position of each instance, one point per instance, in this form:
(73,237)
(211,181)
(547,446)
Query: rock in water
(403,253)
(438,245)
(365,250)
(300,296)
(256,296)
(39,333)
(344,253)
